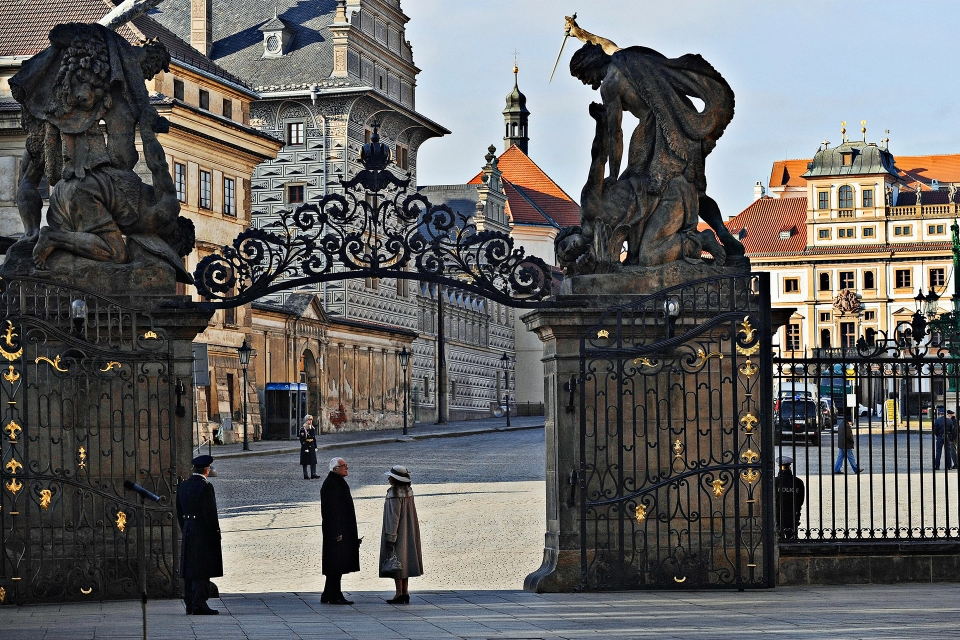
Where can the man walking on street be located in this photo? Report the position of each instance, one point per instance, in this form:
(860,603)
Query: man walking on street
(200,555)
(341,544)
(845,444)
(945,435)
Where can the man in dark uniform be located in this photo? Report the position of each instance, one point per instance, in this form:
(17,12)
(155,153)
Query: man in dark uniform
(790,493)
(308,448)
(341,544)
(200,554)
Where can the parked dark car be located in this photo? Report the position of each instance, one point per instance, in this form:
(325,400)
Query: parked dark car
(799,418)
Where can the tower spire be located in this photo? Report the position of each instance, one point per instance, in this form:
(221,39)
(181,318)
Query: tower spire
(515,115)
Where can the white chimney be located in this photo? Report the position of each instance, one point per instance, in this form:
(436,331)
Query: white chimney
(758,191)
(201,25)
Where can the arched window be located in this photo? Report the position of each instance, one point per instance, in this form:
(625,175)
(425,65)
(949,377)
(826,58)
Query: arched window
(846,197)
(514,129)
(824,338)
(868,281)
(871,336)
(506,131)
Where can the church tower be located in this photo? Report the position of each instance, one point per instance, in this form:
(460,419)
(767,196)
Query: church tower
(515,117)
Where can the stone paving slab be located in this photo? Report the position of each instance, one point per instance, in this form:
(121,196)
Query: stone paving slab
(927,612)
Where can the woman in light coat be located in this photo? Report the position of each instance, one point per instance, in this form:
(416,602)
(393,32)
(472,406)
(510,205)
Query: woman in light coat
(401,533)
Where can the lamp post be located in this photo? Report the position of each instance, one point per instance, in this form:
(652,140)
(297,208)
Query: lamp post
(404,357)
(505,362)
(244,352)
(78,312)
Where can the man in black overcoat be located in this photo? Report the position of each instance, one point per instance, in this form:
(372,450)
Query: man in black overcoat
(308,448)
(790,493)
(341,544)
(200,555)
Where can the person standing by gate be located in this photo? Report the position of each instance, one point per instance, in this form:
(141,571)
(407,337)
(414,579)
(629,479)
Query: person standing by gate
(201,557)
(400,554)
(790,492)
(845,444)
(308,448)
(945,434)
(341,544)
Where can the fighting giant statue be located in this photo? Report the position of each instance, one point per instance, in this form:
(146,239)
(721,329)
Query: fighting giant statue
(647,215)
(99,206)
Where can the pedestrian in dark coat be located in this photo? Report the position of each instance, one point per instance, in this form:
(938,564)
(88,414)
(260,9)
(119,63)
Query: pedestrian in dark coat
(400,536)
(308,448)
(845,445)
(790,493)
(201,557)
(341,543)
(945,434)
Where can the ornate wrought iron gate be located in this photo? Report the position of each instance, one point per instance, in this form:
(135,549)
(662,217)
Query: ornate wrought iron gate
(676,449)
(88,402)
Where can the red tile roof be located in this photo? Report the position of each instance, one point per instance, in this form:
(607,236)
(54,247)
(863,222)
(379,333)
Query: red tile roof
(533,198)
(765,219)
(945,168)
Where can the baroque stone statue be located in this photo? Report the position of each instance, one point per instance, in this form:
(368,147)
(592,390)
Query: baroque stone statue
(647,215)
(100,209)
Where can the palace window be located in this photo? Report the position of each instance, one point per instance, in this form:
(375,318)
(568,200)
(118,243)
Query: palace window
(867,198)
(846,197)
(869,315)
(227,108)
(868,232)
(180,180)
(848,338)
(824,234)
(824,282)
(824,338)
(846,280)
(869,280)
(936,229)
(824,316)
(204,99)
(294,193)
(294,133)
(823,200)
(903,279)
(229,197)
(791,285)
(178,89)
(793,337)
(906,230)
(401,157)
(938,277)
(847,232)
(204,202)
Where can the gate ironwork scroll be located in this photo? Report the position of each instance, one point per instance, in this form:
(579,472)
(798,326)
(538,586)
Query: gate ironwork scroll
(676,450)
(88,403)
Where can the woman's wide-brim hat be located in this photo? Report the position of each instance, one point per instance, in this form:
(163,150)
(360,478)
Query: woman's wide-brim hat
(399,473)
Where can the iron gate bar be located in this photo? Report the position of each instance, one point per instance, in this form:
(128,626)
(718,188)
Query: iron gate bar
(608,345)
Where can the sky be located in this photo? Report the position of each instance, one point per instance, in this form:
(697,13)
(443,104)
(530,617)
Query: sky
(797,68)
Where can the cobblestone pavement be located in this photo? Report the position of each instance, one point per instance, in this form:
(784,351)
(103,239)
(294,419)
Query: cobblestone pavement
(903,612)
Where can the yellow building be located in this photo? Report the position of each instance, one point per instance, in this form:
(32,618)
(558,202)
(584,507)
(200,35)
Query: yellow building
(853,219)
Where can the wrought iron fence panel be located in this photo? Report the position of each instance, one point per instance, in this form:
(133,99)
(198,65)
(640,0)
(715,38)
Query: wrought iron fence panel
(88,403)
(891,392)
(675,461)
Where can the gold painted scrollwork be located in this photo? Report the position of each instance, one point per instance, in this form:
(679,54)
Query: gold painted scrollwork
(677,449)
(750,475)
(13,486)
(45,496)
(750,456)
(151,335)
(603,333)
(55,363)
(13,466)
(679,580)
(640,513)
(717,487)
(82,457)
(749,421)
(3,595)
(644,361)
(12,430)
(86,592)
(749,334)
(121,520)
(748,368)
(11,375)
(8,337)
(704,356)
(111,365)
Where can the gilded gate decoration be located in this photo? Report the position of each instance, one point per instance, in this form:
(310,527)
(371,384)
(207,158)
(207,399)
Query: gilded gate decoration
(675,441)
(87,402)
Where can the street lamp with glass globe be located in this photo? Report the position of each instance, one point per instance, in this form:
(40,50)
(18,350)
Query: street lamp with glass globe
(244,352)
(404,357)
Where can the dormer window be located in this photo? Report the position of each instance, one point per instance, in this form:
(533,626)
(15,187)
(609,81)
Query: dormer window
(277,37)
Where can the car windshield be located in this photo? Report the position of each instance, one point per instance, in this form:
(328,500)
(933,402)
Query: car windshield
(797,409)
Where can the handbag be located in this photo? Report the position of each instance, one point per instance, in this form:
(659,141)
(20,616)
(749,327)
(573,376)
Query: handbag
(391,565)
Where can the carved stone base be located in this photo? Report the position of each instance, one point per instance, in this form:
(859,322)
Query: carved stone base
(646,280)
(143,275)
